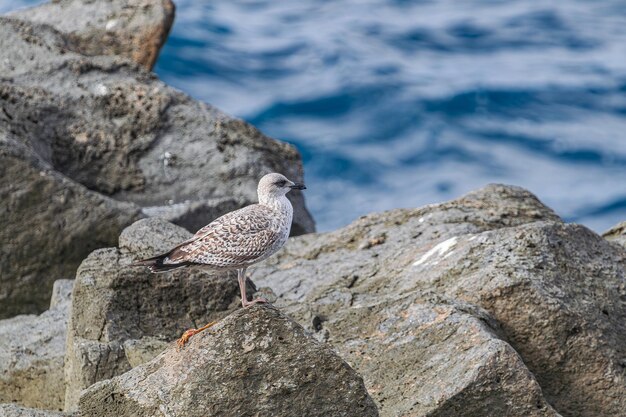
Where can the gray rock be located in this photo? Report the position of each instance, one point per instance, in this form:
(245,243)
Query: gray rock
(617,234)
(135,29)
(143,350)
(558,291)
(62,294)
(32,349)
(49,224)
(122,315)
(192,215)
(103,126)
(254,362)
(423,355)
(107,123)
(555,292)
(14,410)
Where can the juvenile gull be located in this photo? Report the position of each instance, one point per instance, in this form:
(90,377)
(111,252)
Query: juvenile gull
(237,239)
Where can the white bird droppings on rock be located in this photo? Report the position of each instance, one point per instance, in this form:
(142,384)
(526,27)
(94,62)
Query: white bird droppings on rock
(101,89)
(438,250)
(111,24)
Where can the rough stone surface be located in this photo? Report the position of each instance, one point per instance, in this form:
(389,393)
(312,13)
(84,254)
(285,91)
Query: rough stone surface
(425,355)
(117,129)
(14,410)
(192,215)
(123,315)
(142,350)
(49,224)
(102,129)
(617,234)
(559,292)
(556,293)
(254,362)
(135,29)
(32,349)
(62,294)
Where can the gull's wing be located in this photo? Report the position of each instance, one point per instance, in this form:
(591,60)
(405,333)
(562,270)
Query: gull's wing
(237,238)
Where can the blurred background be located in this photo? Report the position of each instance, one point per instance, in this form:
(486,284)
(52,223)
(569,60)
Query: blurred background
(406,103)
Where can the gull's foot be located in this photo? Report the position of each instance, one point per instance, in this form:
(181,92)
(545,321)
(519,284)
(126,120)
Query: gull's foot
(180,343)
(247,303)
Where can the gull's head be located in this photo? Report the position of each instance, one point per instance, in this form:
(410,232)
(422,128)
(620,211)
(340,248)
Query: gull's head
(276,185)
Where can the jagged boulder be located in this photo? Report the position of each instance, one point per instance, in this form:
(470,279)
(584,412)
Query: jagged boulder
(558,292)
(91,129)
(135,29)
(32,349)
(109,124)
(425,355)
(49,225)
(555,292)
(254,362)
(122,315)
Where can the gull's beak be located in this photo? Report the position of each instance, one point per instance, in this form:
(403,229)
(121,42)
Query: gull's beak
(297,186)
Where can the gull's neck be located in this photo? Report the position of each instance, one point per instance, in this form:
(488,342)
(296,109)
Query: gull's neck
(281,203)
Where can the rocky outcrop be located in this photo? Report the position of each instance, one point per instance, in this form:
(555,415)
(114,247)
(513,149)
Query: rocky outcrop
(254,362)
(554,291)
(134,29)
(617,234)
(558,292)
(487,305)
(32,349)
(99,136)
(122,315)
(425,355)
(14,410)
(49,225)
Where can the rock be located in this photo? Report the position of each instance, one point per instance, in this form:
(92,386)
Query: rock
(49,224)
(254,362)
(555,292)
(617,234)
(32,349)
(100,137)
(135,29)
(558,292)
(123,315)
(62,294)
(142,350)
(425,355)
(115,128)
(14,410)
(192,215)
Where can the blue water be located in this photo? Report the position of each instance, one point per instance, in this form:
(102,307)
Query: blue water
(406,103)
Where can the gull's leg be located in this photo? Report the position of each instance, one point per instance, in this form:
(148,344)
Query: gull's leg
(241,277)
(187,335)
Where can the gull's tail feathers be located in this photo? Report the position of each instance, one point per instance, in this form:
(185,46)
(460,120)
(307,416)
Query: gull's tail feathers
(157,263)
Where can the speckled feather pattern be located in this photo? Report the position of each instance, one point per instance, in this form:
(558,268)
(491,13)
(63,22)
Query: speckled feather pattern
(239,238)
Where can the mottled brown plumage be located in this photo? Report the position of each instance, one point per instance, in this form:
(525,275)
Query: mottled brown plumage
(237,239)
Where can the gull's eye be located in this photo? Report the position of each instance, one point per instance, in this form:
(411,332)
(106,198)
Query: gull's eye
(281,183)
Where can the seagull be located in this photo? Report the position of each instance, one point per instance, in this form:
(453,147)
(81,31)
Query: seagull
(237,239)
